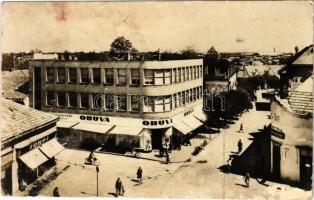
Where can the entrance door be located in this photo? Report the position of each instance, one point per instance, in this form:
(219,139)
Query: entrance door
(306,168)
(276,159)
(37,88)
(157,138)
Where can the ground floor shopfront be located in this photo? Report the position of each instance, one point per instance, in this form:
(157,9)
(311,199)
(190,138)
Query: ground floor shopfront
(30,159)
(122,133)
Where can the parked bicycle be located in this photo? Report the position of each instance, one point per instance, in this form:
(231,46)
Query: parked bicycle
(92,161)
(133,153)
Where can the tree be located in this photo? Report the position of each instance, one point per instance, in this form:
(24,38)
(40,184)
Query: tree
(189,52)
(211,60)
(120,48)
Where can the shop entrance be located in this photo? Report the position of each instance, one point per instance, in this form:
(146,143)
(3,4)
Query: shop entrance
(306,168)
(276,160)
(157,138)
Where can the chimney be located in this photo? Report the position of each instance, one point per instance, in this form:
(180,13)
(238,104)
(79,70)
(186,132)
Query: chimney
(128,56)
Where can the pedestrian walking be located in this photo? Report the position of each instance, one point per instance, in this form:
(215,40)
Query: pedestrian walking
(241,128)
(167,158)
(118,186)
(55,192)
(239,146)
(246,178)
(139,174)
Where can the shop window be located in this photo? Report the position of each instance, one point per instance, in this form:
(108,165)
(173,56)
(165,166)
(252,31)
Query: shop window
(121,76)
(167,103)
(149,77)
(122,102)
(72,75)
(109,76)
(110,102)
(97,101)
(72,99)
(135,77)
(167,76)
(84,75)
(96,76)
(159,77)
(136,102)
(50,98)
(159,104)
(84,100)
(50,74)
(61,75)
(178,75)
(61,99)
(148,104)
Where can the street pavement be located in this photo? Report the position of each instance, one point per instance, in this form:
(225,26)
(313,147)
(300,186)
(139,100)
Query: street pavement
(198,178)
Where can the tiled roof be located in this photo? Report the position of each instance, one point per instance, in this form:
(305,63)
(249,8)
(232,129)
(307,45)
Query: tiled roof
(306,58)
(301,99)
(11,80)
(259,69)
(18,119)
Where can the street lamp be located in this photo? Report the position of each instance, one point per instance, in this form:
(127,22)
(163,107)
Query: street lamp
(97,171)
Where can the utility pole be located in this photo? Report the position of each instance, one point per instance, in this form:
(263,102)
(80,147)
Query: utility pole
(97,171)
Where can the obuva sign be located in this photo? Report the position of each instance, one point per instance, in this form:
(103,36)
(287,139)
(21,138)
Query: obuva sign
(94,118)
(157,122)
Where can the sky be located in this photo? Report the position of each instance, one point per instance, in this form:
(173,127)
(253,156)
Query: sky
(172,26)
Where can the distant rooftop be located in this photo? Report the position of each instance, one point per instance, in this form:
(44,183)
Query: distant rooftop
(305,58)
(259,69)
(18,120)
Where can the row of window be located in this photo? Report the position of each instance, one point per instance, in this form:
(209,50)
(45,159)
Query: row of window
(151,76)
(110,102)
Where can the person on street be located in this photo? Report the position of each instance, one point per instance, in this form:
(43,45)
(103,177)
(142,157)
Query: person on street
(246,178)
(241,128)
(55,192)
(118,186)
(167,158)
(239,146)
(91,157)
(139,174)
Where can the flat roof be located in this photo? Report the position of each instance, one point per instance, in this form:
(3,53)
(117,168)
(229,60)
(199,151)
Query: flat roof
(119,64)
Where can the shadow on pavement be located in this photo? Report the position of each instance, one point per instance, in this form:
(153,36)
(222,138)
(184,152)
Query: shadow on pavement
(113,194)
(88,193)
(245,186)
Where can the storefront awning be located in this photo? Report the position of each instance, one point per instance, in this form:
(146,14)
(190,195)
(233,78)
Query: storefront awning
(182,127)
(192,122)
(33,158)
(126,130)
(65,124)
(51,148)
(96,128)
(187,124)
(201,116)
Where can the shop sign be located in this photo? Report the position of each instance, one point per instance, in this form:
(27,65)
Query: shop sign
(94,118)
(39,142)
(277,134)
(157,122)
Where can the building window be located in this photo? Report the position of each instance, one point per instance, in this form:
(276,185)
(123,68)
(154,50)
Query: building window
(109,76)
(72,99)
(84,100)
(201,70)
(183,74)
(183,98)
(61,75)
(96,76)
(159,77)
(121,76)
(61,99)
(194,73)
(50,99)
(149,77)
(187,74)
(50,74)
(110,102)
(159,104)
(148,104)
(135,77)
(167,103)
(72,75)
(178,75)
(191,73)
(167,76)
(197,71)
(97,101)
(122,102)
(174,75)
(84,75)
(136,103)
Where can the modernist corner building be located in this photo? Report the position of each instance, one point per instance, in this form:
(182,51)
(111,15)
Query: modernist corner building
(120,102)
